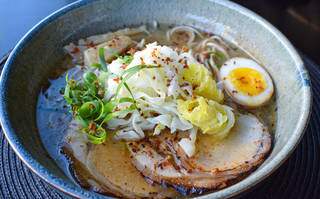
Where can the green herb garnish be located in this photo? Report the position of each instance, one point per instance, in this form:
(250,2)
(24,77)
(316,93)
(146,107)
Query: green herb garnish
(219,58)
(96,134)
(96,65)
(102,60)
(127,59)
(87,98)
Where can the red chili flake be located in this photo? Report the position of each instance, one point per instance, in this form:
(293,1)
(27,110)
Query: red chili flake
(75,50)
(142,61)
(131,51)
(206,55)
(117,79)
(183,62)
(175,43)
(91,45)
(208,34)
(167,60)
(92,126)
(243,80)
(123,66)
(185,49)
(153,53)
(112,43)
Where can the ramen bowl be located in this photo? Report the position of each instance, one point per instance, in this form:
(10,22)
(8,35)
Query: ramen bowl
(36,56)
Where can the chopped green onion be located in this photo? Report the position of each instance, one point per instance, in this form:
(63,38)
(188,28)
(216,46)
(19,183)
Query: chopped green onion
(133,70)
(101,110)
(106,109)
(102,59)
(98,137)
(126,99)
(89,109)
(103,76)
(127,59)
(108,117)
(87,98)
(115,54)
(220,58)
(83,123)
(89,77)
(96,65)
(67,77)
(67,89)
(117,113)
(124,111)
(66,94)
(109,106)
(127,87)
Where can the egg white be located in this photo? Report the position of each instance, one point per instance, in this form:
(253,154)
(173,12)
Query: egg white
(242,98)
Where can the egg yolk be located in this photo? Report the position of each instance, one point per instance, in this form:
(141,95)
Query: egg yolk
(247,81)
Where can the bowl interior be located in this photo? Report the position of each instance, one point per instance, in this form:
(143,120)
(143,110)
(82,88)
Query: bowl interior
(37,54)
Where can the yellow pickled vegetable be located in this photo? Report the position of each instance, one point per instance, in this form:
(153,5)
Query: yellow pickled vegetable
(211,117)
(200,78)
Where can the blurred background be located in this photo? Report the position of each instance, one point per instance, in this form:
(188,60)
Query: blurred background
(299,20)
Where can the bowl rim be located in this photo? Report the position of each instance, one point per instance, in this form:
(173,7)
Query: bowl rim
(233,190)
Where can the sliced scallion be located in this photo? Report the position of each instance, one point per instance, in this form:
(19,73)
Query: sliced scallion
(102,60)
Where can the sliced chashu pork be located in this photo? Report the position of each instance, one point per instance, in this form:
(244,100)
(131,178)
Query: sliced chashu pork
(110,164)
(107,168)
(215,164)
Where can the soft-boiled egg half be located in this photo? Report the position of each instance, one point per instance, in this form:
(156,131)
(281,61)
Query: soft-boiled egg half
(247,83)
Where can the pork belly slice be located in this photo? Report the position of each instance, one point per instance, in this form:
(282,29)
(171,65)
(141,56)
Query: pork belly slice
(215,165)
(110,165)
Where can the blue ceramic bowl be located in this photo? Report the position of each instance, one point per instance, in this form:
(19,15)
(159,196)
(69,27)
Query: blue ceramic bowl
(34,58)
